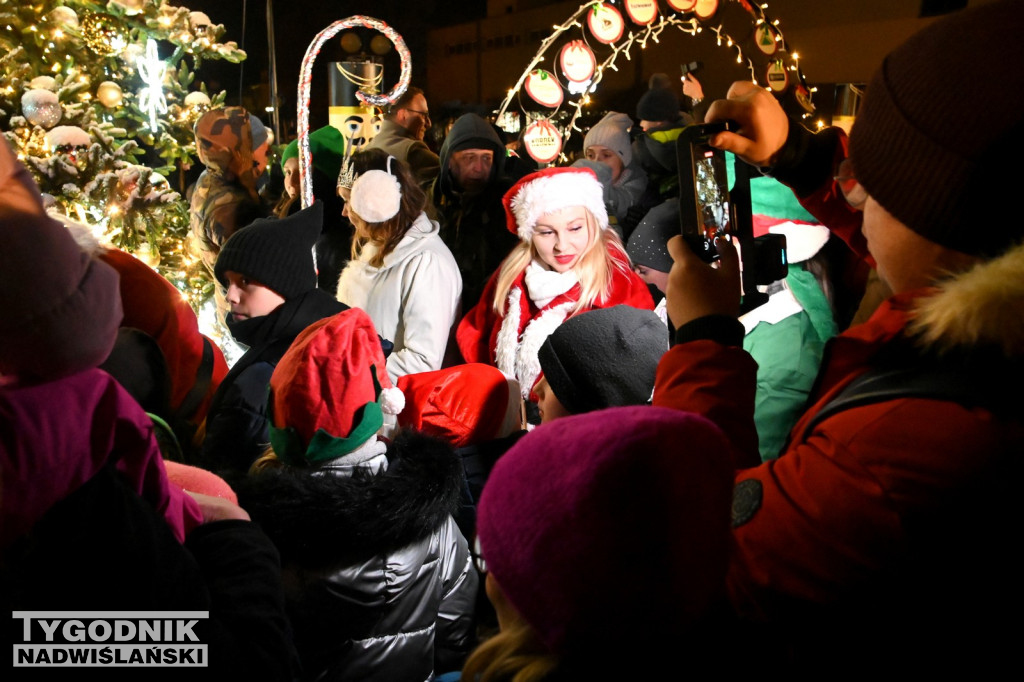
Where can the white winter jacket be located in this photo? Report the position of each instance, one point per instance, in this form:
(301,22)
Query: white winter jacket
(412,299)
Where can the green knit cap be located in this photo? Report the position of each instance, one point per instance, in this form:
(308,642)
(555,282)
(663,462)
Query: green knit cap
(327,145)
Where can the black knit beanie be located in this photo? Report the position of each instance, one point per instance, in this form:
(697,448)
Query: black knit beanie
(606,357)
(648,243)
(276,252)
(941,128)
(658,104)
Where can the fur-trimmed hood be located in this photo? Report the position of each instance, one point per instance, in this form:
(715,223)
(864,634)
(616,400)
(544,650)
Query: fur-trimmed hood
(319,520)
(980,307)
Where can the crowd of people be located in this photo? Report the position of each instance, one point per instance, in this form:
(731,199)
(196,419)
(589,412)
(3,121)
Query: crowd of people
(499,422)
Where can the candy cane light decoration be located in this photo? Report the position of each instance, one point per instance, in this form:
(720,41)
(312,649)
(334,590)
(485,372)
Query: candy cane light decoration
(306,77)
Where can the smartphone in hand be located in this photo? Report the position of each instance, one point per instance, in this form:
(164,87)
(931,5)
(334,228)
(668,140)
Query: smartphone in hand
(705,211)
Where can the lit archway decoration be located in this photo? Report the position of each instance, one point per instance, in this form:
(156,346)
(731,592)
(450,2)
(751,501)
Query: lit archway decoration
(761,45)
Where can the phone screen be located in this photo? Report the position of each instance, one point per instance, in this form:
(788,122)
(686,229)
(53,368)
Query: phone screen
(711,194)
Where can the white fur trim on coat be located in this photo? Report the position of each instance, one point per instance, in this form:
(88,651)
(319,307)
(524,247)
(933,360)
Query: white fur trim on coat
(517,357)
(553,193)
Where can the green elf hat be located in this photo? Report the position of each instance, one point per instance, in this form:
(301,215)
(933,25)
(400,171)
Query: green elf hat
(329,393)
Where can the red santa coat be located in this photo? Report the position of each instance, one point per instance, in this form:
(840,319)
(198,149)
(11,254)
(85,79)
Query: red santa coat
(510,341)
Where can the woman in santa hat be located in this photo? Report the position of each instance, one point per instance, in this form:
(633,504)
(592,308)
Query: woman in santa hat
(568,261)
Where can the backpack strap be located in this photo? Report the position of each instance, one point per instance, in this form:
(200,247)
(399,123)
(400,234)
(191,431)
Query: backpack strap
(968,381)
(204,375)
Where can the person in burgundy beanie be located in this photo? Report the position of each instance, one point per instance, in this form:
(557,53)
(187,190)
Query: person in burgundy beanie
(89,519)
(60,322)
(605,544)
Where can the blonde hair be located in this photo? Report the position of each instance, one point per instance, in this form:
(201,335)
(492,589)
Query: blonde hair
(266,461)
(515,654)
(595,268)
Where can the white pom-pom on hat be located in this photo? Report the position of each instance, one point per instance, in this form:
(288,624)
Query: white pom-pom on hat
(392,400)
(552,190)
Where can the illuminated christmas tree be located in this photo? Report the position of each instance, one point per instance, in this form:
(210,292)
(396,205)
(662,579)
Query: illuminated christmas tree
(99,102)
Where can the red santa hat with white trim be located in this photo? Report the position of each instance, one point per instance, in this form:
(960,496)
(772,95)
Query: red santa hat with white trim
(552,190)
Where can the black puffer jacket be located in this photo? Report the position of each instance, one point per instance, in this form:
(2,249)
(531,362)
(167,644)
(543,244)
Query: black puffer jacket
(236,426)
(379,580)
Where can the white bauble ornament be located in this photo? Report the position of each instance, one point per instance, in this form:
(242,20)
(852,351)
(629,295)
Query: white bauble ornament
(43,83)
(197,99)
(64,17)
(67,137)
(130,7)
(40,107)
(198,20)
(109,94)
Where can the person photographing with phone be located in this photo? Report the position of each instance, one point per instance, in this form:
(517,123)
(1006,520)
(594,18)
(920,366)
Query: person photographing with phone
(878,535)
(693,90)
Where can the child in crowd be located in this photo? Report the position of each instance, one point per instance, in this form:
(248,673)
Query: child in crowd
(648,250)
(381,583)
(888,509)
(601,358)
(568,261)
(401,273)
(89,518)
(224,198)
(267,270)
(604,540)
(191,365)
(786,335)
(475,408)
(608,151)
(327,148)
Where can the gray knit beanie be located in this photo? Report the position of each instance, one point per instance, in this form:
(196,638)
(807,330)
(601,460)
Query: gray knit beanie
(605,357)
(941,125)
(648,243)
(276,252)
(259,131)
(612,131)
